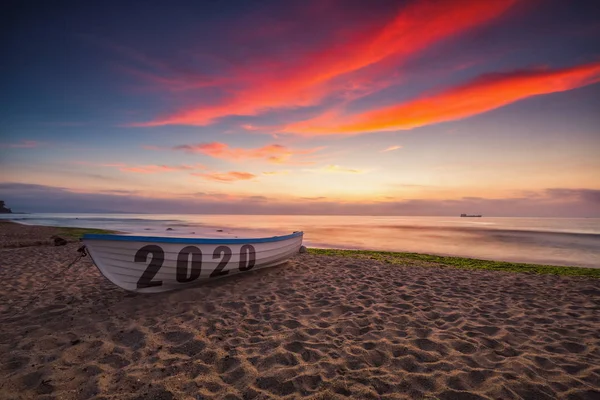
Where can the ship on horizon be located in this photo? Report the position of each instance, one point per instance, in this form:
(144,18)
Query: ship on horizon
(471,215)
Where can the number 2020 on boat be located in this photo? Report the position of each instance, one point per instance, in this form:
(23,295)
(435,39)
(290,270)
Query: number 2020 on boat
(151,264)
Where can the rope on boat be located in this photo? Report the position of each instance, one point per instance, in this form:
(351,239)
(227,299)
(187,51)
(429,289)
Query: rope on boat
(82,253)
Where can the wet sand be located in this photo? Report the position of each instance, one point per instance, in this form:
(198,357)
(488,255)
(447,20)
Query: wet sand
(319,327)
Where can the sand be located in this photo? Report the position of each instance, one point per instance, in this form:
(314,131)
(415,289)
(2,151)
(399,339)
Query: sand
(319,327)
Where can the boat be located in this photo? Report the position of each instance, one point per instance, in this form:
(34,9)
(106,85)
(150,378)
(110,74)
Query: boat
(471,215)
(152,264)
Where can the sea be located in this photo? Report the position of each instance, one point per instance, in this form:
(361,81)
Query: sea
(552,241)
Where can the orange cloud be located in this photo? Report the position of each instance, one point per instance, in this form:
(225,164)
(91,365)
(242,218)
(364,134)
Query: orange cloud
(391,148)
(231,176)
(337,169)
(481,95)
(273,153)
(271,173)
(416,27)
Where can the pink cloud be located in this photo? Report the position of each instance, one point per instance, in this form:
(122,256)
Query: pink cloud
(337,169)
(231,176)
(153,169)
(250,127)
(115,165)
(271,173)
(144,169)
(391,148)
(273,153)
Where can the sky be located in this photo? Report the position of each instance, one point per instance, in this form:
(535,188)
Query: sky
(385,107)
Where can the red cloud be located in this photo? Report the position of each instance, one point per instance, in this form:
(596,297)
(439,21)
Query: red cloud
(273,153)
(476,97)
(231,176)
(416,27)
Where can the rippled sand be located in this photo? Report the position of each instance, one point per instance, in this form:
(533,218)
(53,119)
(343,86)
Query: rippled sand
(318,327)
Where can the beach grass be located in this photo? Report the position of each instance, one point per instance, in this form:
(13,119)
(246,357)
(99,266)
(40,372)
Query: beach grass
(77,233)
(457,262)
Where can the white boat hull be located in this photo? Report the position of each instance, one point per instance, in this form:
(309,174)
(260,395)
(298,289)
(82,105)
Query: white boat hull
(158,264)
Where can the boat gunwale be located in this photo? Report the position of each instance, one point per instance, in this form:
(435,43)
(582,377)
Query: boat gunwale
(107,252)
(178,240)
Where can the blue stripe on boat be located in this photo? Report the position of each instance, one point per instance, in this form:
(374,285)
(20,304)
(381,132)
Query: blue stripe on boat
(162,239)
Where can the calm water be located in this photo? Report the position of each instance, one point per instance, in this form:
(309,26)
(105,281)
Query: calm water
(557,241)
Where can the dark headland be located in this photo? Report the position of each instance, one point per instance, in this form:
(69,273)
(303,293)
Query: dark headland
(4,209)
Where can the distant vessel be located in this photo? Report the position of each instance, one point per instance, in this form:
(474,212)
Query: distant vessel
(471,215)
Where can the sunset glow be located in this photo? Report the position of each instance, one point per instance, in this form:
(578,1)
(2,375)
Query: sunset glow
(479,96)
(420,24)
(408,107)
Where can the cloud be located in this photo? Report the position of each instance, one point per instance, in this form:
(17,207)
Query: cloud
(162,74)
(270,173)
(115,165)
(336,169)
(316,198)
(154,169)
(308,80)
(391,148)
(231,176)
(24,144)
(481,95)
(144,169)
(161,168)
(273,153)
(588,195)
(555,202)
(250,127)
(183,82)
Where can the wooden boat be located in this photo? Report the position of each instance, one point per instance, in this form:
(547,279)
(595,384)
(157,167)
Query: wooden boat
(151,264)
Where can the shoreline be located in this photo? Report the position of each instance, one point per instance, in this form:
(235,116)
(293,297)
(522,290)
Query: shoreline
(539,241)
(542,241)
(402,258)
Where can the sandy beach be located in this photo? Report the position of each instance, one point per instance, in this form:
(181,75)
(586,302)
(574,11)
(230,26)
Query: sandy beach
(319,327)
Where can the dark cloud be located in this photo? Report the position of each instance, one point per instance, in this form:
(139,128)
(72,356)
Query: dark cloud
(586,195)
(555,202)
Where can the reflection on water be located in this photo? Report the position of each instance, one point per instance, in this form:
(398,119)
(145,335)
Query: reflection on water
(557,241)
